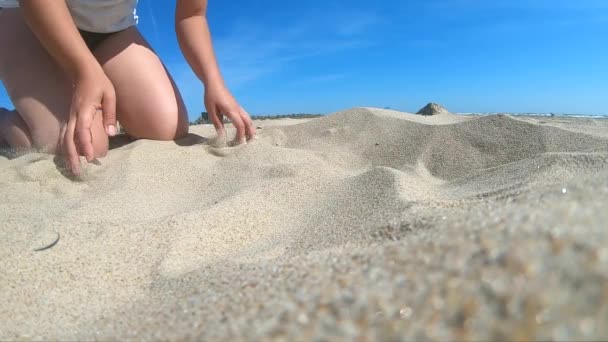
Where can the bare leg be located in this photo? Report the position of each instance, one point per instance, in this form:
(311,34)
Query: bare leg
(148,103)
(38,89)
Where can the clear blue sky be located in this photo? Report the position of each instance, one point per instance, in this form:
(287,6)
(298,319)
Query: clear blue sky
(470,55)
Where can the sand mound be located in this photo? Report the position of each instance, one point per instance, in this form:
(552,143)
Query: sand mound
(433,109)
(364,223)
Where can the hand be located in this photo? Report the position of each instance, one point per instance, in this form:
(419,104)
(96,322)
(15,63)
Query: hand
(219,102)
(93,92)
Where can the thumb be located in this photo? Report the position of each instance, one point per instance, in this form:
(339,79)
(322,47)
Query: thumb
(109,112)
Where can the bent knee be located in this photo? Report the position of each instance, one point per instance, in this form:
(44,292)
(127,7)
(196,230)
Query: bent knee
(182,129)
(164,126)
(163,133)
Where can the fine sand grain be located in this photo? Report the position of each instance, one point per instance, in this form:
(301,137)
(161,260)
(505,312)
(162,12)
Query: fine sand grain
(366,223)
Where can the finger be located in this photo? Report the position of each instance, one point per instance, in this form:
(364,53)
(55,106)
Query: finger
(109,112)
(69,147)
(239,124)
(249,127)
(217,123)
(83,131)
(62,132)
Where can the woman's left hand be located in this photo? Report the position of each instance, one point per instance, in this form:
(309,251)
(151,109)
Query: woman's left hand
(220,102)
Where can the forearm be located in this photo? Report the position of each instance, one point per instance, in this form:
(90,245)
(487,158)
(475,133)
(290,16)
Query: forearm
(195,40)
(52,24)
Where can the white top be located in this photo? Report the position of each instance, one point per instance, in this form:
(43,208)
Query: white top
(103,16)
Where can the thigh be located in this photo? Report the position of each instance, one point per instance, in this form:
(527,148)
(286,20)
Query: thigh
(149,104)
(37,87)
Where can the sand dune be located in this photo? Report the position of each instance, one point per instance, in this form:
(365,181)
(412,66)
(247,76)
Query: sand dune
(364,223)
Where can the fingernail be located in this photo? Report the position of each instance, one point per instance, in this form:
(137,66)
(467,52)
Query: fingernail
(111,130)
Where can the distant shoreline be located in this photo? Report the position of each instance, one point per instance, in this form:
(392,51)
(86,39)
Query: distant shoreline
(204,120)
(286,116)
(560,115)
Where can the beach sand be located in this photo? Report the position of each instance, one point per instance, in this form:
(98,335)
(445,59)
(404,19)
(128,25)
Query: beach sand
(366,223)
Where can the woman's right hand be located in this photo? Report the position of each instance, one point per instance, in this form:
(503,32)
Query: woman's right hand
(93,92)
(52,24)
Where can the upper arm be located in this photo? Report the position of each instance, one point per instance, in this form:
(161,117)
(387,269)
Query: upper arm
(189,8)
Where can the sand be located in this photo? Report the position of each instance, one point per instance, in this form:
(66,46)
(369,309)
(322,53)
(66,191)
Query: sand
(366,223)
